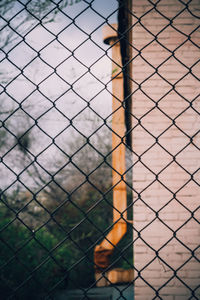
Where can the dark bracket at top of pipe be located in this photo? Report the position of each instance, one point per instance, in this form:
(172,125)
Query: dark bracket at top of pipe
(125,37)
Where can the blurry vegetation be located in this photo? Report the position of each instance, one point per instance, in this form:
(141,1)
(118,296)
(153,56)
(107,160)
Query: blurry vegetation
(23,141)
(48,237)
(28,263)
(48,232)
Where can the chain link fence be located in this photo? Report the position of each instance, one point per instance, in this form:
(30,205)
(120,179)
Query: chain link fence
(62,149)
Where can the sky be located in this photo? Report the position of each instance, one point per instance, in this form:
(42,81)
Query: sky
(68,47)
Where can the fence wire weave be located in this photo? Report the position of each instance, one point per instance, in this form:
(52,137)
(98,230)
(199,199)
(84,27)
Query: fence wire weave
(56,164)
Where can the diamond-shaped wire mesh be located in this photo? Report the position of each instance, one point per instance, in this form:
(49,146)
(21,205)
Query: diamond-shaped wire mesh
(58,81)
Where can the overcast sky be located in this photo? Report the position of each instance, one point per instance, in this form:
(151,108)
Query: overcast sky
(70,45)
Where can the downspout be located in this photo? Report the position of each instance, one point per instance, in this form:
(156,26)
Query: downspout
(105,249)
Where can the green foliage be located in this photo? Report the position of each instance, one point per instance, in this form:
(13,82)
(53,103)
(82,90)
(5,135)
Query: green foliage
(77,216)
(63,249)
(85,219)
(27,259)
(37,260)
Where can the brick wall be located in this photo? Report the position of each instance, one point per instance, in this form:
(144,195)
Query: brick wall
(166,106)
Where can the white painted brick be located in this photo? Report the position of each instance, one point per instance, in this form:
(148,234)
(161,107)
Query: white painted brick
(174,291)
(165,297)
(178,297)
(144,293)
(193,274)
(173,140)
(145,297)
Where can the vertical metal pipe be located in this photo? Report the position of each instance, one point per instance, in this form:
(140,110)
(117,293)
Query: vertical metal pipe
(104,250)
(118,133)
